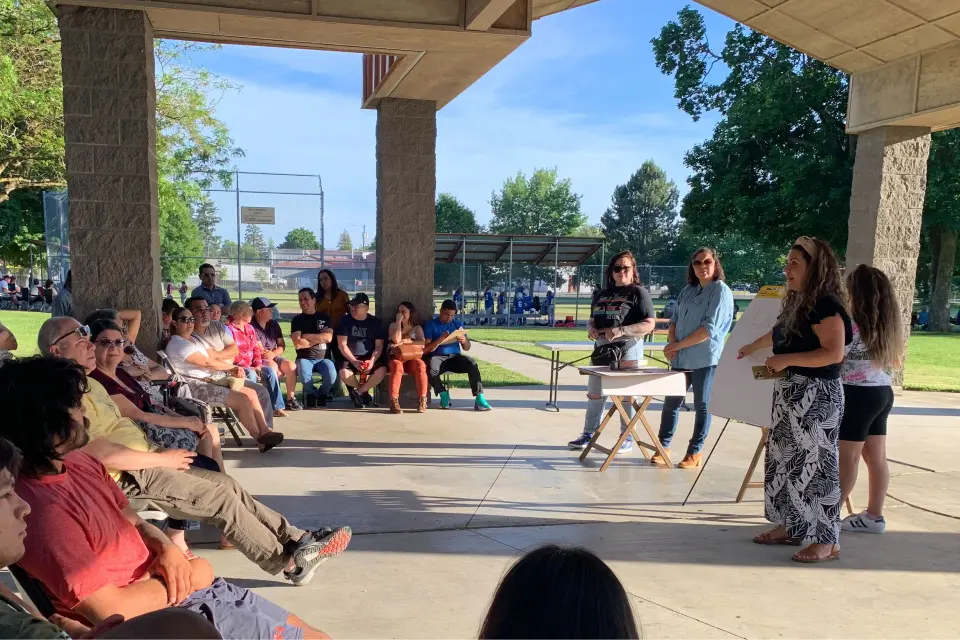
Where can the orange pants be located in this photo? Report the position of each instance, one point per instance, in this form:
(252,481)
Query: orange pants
(415,368)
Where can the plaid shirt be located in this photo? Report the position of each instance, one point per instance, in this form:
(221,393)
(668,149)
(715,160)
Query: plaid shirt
(251,354)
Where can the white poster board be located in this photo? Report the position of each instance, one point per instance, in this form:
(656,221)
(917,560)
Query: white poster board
(735,393)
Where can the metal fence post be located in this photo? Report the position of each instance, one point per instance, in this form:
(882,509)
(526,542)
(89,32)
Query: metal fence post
(322,228)
(239,240)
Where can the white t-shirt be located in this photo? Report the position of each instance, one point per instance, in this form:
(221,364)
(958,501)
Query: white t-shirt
(858,367)
(179,349)
(217,337)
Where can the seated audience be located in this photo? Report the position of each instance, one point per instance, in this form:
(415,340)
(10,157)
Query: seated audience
(36,291)
(406,329)
(250,355)
(312,334)
(63,303)
(360,337)
(19,619)
(164,478)
(220,345)
(208,289)
(270,338)
(49,292)
(191,359)
(442,358)
(167,307)
(556,592)
(88,547)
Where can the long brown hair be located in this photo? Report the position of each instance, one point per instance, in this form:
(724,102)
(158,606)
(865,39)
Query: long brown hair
(823,281)
(874,307)
(718,273)
(414,314)
(608,281)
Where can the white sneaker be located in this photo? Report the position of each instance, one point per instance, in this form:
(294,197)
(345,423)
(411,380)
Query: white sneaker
(862,523)
(627,445)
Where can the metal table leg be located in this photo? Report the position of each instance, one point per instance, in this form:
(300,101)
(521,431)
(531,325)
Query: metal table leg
(554,381)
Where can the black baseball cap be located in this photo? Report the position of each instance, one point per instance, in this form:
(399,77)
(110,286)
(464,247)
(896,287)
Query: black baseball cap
(262,303)
(360,298)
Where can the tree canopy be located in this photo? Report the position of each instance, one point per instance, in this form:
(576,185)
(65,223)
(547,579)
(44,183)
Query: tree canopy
(642,216)
(455,217)
(253,236)
(344,242)
(300,238)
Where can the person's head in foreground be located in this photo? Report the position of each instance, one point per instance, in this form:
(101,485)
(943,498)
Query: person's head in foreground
(65,337)
(812,273)
(307,298)
(109,343)
(13,510)
(407,312)
(448,310)
(874,307)
(704,267)
(621,271)
(184,323)
(360,306)
(560,592)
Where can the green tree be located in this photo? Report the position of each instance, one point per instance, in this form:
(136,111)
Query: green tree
(253,238)
(344,243)
(31,98)
(642,217)
(455,217)
(261,275)
(20,229)
(941,220)
(300,238)
(587,230)
(206,218)
(779,163)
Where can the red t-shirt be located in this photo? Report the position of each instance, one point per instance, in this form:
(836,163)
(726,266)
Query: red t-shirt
(78,540)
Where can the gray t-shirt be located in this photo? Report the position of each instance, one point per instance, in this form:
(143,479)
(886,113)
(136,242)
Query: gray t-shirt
(216,338)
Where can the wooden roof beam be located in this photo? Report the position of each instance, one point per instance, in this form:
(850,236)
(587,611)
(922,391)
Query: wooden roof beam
(479,15)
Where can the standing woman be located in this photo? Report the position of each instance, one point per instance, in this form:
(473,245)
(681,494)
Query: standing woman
(697,330)
(406,329)
(331,299)
(620,315)
(868,391)
(801,467)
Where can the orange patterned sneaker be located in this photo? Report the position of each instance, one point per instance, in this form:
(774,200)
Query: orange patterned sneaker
(690,461)
(658,459)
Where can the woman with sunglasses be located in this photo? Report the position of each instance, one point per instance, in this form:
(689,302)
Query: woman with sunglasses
(205,375)
(697,329)
(620,315)
(802,495)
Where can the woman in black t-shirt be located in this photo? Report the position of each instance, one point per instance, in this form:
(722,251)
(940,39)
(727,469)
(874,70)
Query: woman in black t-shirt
(801,468)
(620,315)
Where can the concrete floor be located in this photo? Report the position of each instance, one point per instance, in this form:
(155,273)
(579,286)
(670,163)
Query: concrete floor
(442,503)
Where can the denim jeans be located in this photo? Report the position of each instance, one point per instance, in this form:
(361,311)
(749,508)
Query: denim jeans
(596,406)
(272,383)
(702,381)
(306,369)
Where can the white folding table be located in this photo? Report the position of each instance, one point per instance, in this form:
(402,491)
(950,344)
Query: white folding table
(556,365)
(626,386)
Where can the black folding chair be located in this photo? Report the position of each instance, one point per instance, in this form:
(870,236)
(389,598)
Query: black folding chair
(33,589)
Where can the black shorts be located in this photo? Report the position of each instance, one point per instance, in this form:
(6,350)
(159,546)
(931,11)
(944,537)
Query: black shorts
(865,411)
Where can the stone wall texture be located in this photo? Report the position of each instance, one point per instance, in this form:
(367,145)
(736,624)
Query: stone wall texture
(406,203)
(109,112)
(886,208)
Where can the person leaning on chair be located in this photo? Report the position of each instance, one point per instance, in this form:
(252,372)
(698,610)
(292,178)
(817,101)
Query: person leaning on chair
(443,358)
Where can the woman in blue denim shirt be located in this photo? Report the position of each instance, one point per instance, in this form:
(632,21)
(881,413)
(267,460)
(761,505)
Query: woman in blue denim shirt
(697,330)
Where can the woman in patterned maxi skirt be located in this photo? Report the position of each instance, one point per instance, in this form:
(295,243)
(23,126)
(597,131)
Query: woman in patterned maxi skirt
(801,469)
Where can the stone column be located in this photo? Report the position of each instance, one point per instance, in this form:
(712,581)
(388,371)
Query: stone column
(886,208)
(110,130)
(406,204)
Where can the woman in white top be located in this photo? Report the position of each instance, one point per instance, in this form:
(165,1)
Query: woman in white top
(875,350)
(191,359)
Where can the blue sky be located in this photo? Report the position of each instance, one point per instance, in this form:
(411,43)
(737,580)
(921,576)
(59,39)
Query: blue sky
(582,95)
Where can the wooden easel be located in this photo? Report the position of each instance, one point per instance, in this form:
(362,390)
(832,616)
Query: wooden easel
(619,409)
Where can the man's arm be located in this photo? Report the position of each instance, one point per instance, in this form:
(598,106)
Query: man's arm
(117,457)
(345,351)
(377,350)
(228,353)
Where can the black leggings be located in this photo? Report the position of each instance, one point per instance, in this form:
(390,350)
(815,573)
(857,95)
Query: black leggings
(200,462)
(453,363)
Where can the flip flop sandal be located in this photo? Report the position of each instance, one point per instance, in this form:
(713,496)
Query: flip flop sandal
(269,440)
(833,555)
(780,540)
(227,546)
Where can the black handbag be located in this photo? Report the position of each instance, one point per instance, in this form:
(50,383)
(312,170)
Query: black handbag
(606,354)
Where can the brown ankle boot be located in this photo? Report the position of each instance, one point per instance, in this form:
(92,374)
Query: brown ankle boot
(690,461)
(395,405)
(658,459)
(422,405)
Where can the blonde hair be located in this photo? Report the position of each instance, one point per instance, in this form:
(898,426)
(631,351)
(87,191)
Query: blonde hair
(874,307)
(240,308)
(823,280)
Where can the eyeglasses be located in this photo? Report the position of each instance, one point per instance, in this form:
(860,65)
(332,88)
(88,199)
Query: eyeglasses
(617,268)
(187,320)
(83,331)
(706,262)
(111,344)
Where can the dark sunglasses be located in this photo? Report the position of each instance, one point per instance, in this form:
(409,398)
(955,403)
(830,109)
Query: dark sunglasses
(83,331)
(187,320)
(617,268)
(108,344)
(706,262)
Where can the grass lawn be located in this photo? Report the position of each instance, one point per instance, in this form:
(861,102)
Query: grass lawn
(26,324)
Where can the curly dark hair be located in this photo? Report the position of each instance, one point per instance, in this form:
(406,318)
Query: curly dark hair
(718,273)
(823,281)
(608,281)
(39,421)
(10,458)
